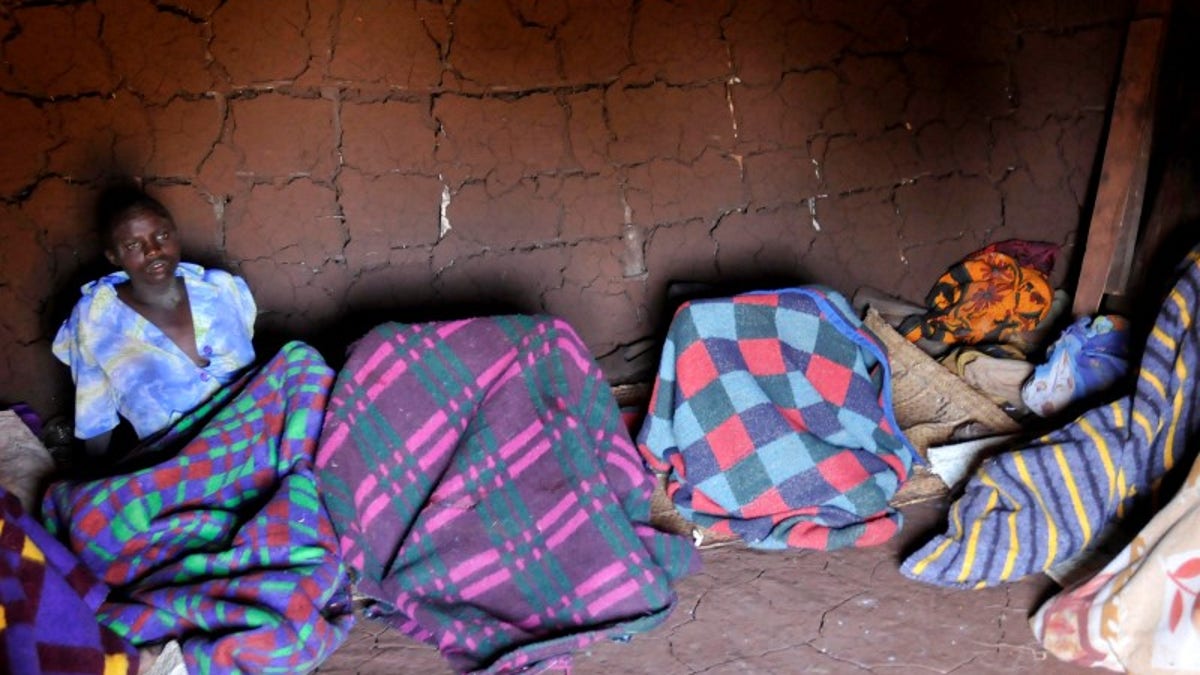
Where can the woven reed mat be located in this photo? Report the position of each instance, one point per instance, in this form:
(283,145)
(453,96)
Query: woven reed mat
(931,403)
(664,517)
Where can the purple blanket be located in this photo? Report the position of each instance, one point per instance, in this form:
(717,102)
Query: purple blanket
(48,603)
(488,496)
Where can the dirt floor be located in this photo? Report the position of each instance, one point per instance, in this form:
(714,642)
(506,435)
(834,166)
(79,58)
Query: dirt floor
(847,611)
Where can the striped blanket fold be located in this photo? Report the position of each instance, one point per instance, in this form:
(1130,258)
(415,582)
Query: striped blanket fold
(219,540)
(1028,510)
(1139,614)
(488,496)
(48,603)
(771,414)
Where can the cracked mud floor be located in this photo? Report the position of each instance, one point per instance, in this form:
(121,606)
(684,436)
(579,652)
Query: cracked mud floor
(799,612)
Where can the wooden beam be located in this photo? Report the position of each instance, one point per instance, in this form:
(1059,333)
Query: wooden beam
(1117,211)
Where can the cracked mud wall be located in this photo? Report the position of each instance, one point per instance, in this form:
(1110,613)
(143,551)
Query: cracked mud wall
(360,160)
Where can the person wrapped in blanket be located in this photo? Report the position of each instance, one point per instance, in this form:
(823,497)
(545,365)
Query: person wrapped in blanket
(488,496)
(206,534)
(157,338)
(475,475)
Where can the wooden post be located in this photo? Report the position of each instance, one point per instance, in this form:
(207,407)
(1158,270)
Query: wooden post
(1117,211)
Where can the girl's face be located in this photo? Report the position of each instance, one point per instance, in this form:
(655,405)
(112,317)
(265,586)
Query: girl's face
(146,246)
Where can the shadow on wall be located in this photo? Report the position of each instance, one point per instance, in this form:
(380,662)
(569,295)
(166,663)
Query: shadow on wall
(1160,265)
(638,360)
(334,336)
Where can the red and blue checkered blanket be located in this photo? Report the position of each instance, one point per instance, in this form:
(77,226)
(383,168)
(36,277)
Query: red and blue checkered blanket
(485,490)
(216,536)
(772,415)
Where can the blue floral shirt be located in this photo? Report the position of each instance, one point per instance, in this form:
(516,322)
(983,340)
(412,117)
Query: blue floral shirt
(122,363)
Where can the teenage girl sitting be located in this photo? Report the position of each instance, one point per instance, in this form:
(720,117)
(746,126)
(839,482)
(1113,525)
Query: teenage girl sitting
(157,338)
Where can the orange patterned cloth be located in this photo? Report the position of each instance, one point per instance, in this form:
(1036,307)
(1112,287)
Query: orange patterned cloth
(987,297)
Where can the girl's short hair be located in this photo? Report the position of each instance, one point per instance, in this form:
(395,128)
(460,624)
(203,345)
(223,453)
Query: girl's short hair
(119,203)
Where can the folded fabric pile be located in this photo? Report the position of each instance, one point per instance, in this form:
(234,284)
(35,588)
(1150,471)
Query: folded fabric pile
(771,415)
(488,496)
(1028,510)
(25,464)
(214,534)
(999,377)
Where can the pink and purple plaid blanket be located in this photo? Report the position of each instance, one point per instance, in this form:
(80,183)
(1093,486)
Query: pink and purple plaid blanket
(488,496)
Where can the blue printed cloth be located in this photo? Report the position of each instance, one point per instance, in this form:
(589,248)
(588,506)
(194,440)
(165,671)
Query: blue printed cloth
(772,415)
(1090,356)
(111,348)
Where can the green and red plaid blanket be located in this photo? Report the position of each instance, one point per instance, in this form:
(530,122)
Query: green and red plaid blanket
(214,535)
(486,491)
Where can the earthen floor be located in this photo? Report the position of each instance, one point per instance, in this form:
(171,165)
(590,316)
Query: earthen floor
(846,611)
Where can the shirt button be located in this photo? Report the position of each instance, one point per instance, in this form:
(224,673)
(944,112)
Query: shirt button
(208,351)
(204,377)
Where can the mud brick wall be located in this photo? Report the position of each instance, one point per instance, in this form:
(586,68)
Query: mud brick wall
(363,160)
